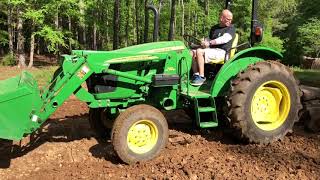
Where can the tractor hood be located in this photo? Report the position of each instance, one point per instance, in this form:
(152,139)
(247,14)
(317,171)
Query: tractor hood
(155,47)
(142,52)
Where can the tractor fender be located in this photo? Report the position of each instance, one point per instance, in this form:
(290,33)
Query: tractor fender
(237,64)
(262,52)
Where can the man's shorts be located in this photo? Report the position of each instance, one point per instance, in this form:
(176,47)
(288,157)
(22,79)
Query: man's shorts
(214,55)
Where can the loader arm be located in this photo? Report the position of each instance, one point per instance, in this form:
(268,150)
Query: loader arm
(77,69)
(63,87)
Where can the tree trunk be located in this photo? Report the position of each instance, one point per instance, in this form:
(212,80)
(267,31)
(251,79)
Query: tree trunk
(127,24)
(116,24)
(146,21)
(56,23)
(38,46)
(206,13)
(132,30)
(70,30)
(14,31)
(100,40)
(107,31)
(137,20)
(95,34)
(182,18)
(195,24)
(206,8)
(31,50)
(172,20)
(56,20)
(31,45)
(160,6)
(189,20)
(84,36)
(20,43)
(10,32)
(77,33)
(82,25)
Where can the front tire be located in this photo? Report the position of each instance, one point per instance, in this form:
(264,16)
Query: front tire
(139,133)
(264,102)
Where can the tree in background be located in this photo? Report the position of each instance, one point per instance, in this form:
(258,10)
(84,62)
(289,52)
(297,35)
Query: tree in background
(303,26)
(4,35)
(58,26)
(116,24)
(36,18)
(21,39)
(308,37)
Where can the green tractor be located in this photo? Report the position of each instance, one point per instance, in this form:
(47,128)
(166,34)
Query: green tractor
(126,88)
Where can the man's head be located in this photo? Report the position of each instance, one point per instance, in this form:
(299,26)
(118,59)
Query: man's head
(225,18)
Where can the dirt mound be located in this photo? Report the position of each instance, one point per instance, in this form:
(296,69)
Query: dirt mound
(65,149)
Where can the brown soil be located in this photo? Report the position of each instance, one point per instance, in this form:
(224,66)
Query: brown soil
(66,149)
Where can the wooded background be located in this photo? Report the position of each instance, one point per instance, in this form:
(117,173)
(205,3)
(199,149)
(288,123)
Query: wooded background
(58,26)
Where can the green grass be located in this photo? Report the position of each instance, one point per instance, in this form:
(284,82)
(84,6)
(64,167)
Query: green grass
(308,77)
(42,75)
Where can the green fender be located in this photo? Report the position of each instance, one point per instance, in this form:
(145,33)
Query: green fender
(237,64)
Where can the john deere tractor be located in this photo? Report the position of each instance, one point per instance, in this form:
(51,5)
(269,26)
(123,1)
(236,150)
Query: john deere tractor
(125,90)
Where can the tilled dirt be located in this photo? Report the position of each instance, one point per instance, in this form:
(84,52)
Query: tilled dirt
(66,149)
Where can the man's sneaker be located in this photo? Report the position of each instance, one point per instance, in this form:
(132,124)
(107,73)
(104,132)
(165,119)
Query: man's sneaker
(194,76)
(198,81)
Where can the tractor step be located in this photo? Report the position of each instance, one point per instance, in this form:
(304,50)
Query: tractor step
(196,94)
(204,107)
(205,111)
(199,94)
(208,124)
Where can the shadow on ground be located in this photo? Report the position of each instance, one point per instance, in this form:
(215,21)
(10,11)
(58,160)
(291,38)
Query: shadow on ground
(77,127)
(54,130)
(180,121)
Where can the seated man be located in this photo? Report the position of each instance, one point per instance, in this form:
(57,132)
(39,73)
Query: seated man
(220,40)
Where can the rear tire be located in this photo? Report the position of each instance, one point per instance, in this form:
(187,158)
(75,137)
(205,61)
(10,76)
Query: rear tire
(139,133)
(264,102)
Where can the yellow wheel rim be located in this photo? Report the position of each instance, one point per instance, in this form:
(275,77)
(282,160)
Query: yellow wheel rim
(142,136)
(270,105)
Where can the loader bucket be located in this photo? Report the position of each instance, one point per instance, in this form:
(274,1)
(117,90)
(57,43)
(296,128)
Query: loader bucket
(19,99)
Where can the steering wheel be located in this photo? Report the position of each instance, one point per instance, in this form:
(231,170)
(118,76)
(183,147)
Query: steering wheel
(192,41)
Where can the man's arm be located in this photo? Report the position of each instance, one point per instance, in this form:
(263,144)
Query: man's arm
(226,37)
(221,40)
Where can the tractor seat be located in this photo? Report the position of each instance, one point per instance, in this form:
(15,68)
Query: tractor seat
(211,69)
(229,54)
